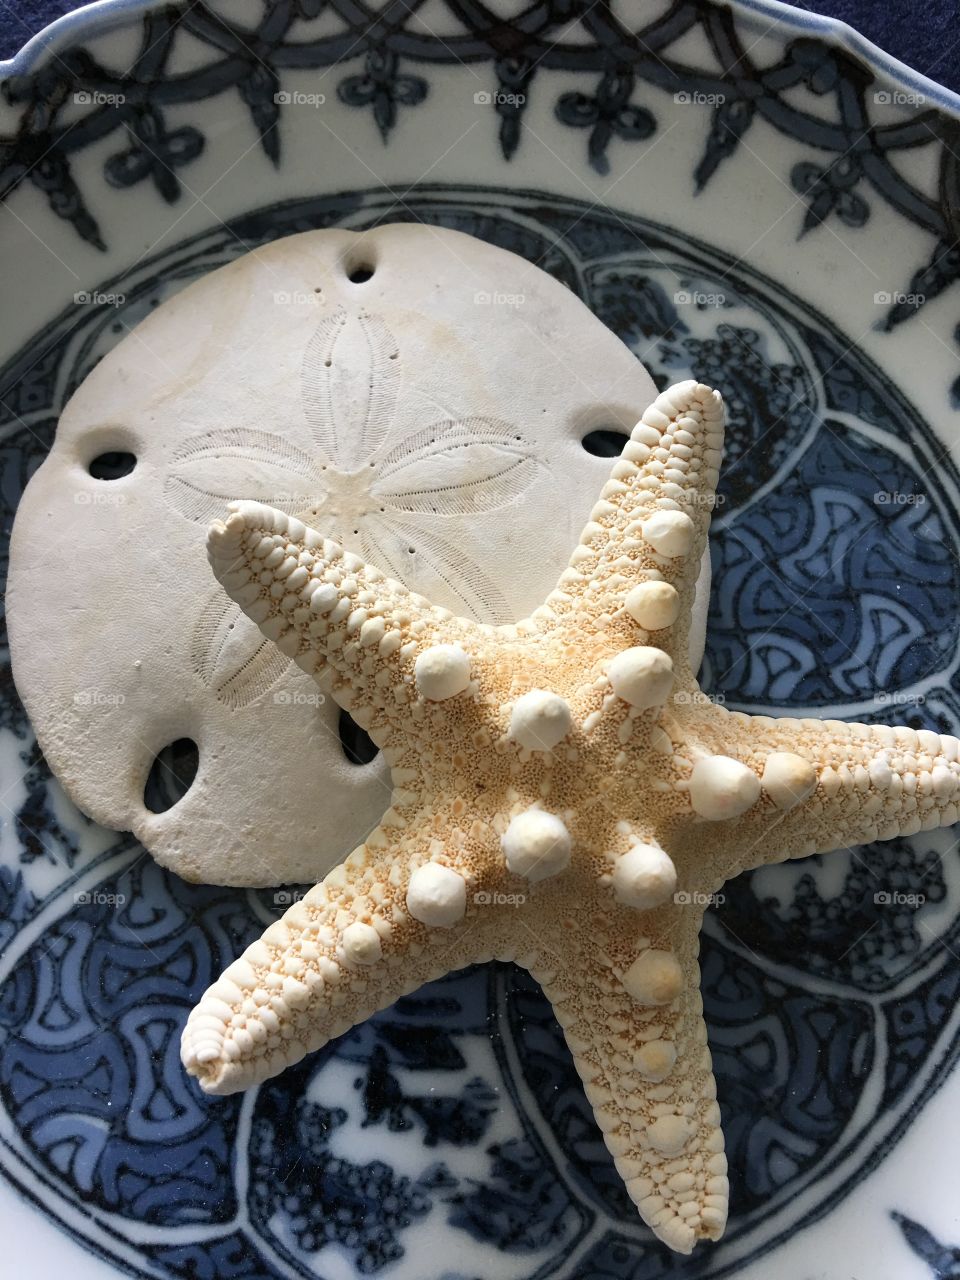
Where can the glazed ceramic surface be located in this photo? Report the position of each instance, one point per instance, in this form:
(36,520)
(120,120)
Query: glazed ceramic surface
(744,201)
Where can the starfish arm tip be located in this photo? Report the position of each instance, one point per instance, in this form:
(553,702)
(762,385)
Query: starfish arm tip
(639,1044)
(353,945)
(834,784)
(649,529)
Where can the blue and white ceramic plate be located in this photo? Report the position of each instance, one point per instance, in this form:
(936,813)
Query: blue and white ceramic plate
(748,195)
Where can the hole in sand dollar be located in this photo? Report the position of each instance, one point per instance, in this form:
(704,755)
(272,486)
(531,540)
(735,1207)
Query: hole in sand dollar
(360,272)
(171,775)
(605,442)
(356,743)
(113,464)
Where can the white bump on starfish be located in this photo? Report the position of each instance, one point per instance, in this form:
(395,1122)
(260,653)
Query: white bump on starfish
(642,676)
(669,1134)
(880,773)
(787,778)
(721,787)
(943,782)
(323,597)
(360,943)
(670,533)
(655,1060)
(442,672)
(437,895)
(623,986)
(653,605)
(654,978)
(536,845)
(540,719)
(644,877)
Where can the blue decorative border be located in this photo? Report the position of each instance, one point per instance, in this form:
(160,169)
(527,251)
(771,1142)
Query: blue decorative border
(97,18)
(850,160)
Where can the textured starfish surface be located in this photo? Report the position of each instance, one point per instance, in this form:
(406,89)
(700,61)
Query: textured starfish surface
(570,762)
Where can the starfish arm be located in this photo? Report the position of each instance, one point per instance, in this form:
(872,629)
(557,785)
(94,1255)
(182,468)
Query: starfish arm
(650,526)
(647,1072)
(829,784)
(347,949)
(330,612)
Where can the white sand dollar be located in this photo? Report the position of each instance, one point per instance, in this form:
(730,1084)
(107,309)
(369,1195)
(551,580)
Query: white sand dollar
(437,895)
(697,636)
(721,787)
(277,378)
(540,719)
(536,845)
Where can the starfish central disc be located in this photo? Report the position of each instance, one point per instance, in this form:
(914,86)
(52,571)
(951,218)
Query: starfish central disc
(536,845)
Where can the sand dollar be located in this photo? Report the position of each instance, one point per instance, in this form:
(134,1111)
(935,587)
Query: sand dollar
(416,393)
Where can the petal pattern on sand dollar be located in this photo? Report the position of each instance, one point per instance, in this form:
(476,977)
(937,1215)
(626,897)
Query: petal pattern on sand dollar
(456,468)
(239,462)
(410,550)
(231,656)
(349,380)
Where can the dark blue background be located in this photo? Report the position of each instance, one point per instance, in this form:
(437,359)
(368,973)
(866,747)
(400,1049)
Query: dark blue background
(925,36)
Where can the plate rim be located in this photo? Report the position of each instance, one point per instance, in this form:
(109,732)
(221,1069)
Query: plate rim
(99,16)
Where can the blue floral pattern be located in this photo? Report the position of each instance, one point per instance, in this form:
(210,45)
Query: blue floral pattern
(734,87)
(942,1259)
(456,1116)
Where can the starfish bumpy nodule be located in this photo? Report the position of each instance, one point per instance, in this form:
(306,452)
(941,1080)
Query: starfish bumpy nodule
(571,761)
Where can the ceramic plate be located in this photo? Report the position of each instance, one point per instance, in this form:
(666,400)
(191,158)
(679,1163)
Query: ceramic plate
(748,195)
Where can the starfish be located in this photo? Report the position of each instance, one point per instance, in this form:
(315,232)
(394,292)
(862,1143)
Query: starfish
(564,796)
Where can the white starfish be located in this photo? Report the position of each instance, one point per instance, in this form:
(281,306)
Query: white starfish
(570,760)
